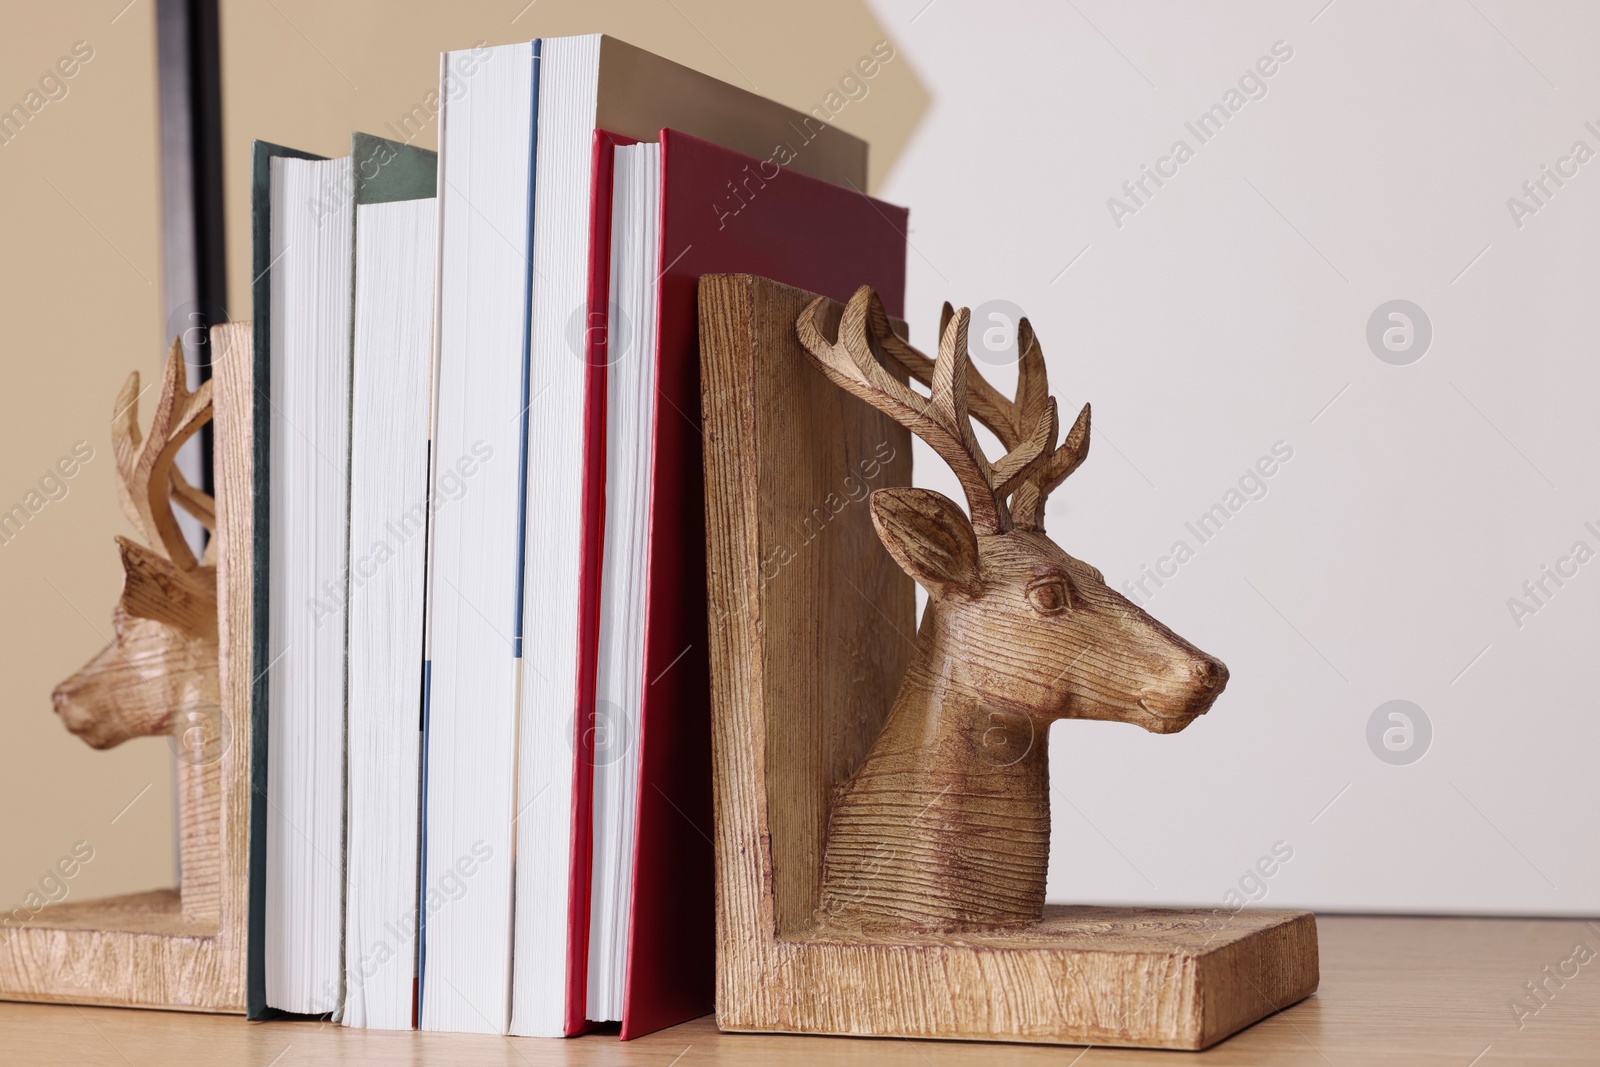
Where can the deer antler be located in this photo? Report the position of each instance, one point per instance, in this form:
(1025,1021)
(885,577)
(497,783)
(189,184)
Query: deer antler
(148,479)
(942,419)
(1009,420)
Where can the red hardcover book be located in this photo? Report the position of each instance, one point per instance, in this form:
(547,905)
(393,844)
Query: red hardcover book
(594,508)
(721,212)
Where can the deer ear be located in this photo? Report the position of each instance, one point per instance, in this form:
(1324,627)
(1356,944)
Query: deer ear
(930,537)
(154,587)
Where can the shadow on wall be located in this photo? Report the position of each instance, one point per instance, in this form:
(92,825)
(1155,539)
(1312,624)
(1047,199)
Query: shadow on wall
(306,74)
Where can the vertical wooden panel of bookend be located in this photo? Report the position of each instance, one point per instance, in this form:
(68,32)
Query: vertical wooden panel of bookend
(139,950)
(801,598)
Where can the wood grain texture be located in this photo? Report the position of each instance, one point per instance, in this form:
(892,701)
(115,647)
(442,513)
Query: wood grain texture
(1395,993)
(946,823)
(180,665)
(880,859)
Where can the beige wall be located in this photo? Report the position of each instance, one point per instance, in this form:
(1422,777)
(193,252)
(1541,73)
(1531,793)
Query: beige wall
(305,73)
(79,289)
(80,274)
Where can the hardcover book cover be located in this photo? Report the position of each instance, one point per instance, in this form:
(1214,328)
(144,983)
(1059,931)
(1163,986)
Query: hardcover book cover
(261,155)
(596,359)
(721,212)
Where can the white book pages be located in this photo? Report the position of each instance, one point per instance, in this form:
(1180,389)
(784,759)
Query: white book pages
(389,428)
(484,265)
(619,685)
(568,84)
(309,512)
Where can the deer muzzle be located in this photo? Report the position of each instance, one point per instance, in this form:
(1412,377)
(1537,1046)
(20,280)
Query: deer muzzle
(84,714)
(1186,692)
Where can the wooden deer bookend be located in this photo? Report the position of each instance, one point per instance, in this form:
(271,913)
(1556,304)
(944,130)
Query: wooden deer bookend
(180,666)
(882,803)
(159,674)
(946,825)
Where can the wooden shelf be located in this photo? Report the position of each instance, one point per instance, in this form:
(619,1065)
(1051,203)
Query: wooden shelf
(1394,991)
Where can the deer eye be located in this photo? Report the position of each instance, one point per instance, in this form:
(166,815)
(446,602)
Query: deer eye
(1050,596)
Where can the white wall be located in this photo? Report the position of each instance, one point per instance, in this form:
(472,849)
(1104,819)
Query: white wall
(1226,314)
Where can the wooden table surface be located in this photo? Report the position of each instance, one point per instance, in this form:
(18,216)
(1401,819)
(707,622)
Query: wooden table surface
(1394,991)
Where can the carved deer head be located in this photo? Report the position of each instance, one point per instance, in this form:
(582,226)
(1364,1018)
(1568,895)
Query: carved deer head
(1017,634)
(163,658)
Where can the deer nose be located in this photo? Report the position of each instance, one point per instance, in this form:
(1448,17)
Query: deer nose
(1210,673)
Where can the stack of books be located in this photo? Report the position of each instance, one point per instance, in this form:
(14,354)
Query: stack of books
(484,798)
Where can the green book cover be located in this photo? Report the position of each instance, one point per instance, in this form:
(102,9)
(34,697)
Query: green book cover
(387,170)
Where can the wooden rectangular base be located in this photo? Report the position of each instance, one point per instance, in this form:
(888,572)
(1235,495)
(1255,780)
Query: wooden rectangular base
(1149,977)
(133,951)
